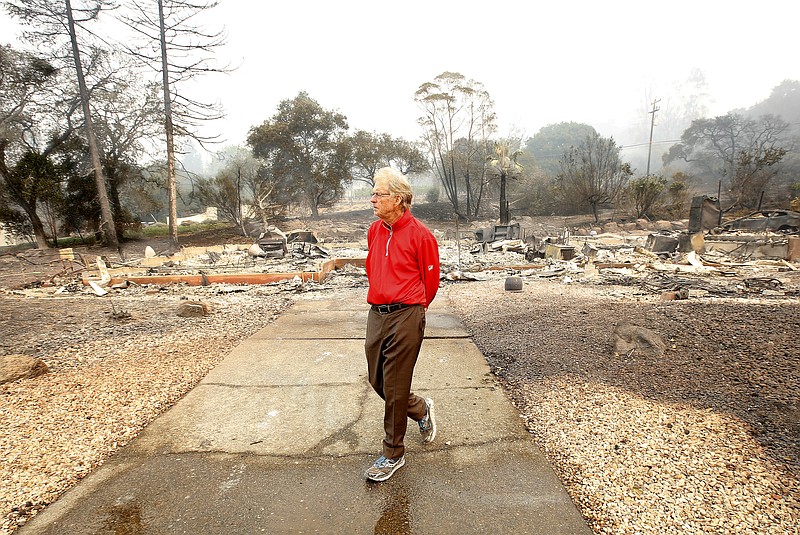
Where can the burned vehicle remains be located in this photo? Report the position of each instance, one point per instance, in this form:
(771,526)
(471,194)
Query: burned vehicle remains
(765,221)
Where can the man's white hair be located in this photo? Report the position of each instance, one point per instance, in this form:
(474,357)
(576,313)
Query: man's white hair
(396,183)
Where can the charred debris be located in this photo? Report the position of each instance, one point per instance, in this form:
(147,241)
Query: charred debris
(752,256)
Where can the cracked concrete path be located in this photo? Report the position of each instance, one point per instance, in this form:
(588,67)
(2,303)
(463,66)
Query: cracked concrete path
(276,438)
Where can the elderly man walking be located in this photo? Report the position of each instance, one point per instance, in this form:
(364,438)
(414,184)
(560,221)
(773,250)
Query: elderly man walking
(403,273)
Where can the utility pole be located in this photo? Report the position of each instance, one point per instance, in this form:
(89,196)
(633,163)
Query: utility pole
(652,123)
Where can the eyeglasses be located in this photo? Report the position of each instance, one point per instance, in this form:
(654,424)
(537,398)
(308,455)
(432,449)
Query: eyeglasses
(382,194)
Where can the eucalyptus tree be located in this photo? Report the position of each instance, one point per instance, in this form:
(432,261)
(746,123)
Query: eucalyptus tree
(55,24)
(306,149)
(178,48)
(458,122)
(593,173)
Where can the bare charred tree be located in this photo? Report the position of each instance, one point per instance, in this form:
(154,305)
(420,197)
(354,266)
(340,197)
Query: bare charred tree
(51,21)
(180,50)
(458,121)
(127,115)
(593,174)
(109,228)
(234,186)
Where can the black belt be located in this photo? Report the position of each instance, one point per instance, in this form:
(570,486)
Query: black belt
(385,309)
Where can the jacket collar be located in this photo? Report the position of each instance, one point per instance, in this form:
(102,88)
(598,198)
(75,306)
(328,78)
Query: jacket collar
(400,223)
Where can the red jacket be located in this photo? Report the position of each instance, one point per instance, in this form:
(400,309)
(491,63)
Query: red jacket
(402,263)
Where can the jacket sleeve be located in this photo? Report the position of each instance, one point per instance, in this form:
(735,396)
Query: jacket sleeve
(429,267)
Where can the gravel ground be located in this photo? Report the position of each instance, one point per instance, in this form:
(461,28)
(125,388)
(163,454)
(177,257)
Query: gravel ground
(704,439)
(108,377)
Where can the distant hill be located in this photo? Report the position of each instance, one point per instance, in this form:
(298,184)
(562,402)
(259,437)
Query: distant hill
(784,101)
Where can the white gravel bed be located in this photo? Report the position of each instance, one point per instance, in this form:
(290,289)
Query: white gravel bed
(703,440)
(636,466)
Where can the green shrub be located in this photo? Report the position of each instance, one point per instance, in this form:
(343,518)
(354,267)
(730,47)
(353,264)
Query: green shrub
(432,194)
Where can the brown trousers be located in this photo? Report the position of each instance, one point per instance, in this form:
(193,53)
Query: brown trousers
(392,346)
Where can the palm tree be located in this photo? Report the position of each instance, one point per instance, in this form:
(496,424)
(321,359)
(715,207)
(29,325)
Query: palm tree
(505,162)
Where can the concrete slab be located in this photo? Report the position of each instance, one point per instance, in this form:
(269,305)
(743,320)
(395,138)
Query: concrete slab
(277,437)
(334,420)
(454,491)
(445,364)
(319,324)
(322,418)
(273,420)
(300,362)
(440,324)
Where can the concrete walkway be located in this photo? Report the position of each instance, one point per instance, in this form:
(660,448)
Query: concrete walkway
(277,437)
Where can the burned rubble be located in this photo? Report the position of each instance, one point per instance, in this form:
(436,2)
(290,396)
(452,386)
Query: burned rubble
(694,258)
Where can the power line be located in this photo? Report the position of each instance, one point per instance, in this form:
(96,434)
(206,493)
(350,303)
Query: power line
(633,145)
(621,147)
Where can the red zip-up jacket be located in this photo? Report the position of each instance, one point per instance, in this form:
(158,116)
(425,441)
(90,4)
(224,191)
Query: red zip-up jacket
(402,262)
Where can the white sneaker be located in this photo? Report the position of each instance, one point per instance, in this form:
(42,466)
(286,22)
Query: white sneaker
(383,468)
(427,426)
